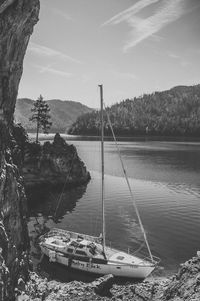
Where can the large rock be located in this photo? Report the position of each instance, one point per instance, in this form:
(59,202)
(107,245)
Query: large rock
(53,163)
(103,285)
(17,18)
(184,286)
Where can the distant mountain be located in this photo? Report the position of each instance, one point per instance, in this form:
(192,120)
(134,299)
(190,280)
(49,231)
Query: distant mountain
(63,113)
(175,112)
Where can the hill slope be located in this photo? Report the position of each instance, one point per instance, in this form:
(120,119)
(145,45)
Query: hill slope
(63,113)
(172,112)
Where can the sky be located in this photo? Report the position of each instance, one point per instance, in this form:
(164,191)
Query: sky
(132,47)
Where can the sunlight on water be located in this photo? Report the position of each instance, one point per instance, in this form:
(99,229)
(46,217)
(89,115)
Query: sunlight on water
(168,201)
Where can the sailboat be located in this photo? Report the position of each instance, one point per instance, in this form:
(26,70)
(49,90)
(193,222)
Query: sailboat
(89,253)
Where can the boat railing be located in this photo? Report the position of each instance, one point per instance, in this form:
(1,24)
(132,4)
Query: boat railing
(156,260)
(70,234)
(66,234)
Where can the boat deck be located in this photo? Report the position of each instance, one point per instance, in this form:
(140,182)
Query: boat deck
(62,240)
(65,235)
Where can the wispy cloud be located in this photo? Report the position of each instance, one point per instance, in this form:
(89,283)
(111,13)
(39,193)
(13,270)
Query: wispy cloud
(167,12)
(62,14)
(50,69)
(125,75)
(173,55)
(131,11)
(182,60)
(49,52)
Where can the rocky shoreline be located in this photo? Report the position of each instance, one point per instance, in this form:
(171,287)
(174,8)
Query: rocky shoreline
(55,163)
(185,285)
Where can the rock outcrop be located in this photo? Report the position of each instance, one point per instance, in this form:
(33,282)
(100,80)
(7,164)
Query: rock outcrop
(14,240)
(17,19)
(55,163)
(184,286)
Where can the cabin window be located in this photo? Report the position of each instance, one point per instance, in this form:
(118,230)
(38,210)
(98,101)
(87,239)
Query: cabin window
(57,242)
(120,257)
(80,238)
(92,248)
(74,244)
(70,250)
(79,252)
(66,240)
(92,251)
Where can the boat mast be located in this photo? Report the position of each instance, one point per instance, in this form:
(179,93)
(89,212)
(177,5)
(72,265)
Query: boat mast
(102,169)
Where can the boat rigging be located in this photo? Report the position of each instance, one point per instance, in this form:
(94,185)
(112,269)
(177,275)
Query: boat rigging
(90,253)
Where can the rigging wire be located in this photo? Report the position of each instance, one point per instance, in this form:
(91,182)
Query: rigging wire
(129,186)
(63,189)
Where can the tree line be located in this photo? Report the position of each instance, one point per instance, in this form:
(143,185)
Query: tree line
(175,112)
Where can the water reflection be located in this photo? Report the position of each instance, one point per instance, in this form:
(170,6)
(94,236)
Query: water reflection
(52,202)
(165,182)
(169,162)
(47,206)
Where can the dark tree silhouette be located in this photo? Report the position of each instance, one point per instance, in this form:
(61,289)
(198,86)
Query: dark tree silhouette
(175,112)
(41,116)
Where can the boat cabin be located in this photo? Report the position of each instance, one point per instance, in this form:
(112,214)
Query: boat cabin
(75,247)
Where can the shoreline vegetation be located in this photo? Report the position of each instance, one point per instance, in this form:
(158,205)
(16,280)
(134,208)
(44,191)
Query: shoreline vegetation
(175,112)
(50,136)
(53,162)
(63,113)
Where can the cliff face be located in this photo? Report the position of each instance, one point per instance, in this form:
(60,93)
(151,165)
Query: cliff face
(13,229)
(17,18)
(55,163)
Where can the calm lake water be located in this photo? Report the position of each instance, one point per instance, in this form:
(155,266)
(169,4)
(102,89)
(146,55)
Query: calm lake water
(165,178)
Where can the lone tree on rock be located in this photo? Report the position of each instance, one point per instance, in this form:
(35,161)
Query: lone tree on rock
(41,116)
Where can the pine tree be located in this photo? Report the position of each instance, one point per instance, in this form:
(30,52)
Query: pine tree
(41,116)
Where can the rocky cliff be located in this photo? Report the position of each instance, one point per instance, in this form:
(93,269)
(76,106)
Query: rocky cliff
(17,19)
(184,286)
(55,163)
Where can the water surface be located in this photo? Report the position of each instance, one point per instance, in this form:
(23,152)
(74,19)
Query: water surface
(164,177)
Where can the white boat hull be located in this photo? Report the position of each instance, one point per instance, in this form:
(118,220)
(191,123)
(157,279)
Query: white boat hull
(119,270)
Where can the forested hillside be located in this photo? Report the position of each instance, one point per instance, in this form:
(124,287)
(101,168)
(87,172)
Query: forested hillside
(173,112)
(63,113)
